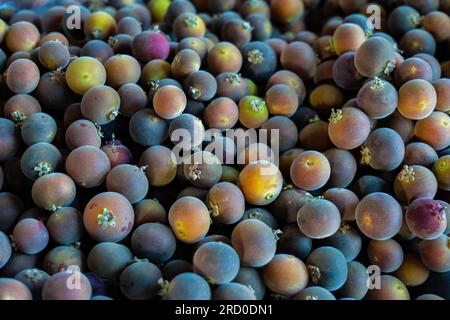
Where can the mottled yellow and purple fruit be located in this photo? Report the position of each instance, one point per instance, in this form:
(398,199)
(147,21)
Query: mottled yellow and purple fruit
(189,219)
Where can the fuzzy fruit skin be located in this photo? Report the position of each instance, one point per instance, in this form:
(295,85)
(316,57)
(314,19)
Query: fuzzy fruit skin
(435,254)
(53,190)
(88,166)
(22,76)
(441,169)
(286,274)
(391,289)
(154,242)
(22,36)
(10,140)
(108,259)
(319,219)
(34,279)
(379,216)
(128,180)
(255,242)
(228,201)
(426,218)
(211,257)
(139,281)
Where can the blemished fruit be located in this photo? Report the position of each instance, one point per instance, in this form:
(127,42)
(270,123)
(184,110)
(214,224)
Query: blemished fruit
(224,150)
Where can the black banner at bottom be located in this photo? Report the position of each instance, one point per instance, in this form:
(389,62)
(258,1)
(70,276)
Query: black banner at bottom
(192,310)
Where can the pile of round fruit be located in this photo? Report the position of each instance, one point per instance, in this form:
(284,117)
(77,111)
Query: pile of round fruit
(348,199)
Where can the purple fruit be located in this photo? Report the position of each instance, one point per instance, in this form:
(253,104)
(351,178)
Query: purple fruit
(140,281)
(176,267)
(67,285)
(5,249)
(150,45)
(188,286)
(217,262)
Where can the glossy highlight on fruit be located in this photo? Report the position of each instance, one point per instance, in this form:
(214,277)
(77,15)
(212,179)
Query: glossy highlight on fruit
(108,216)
